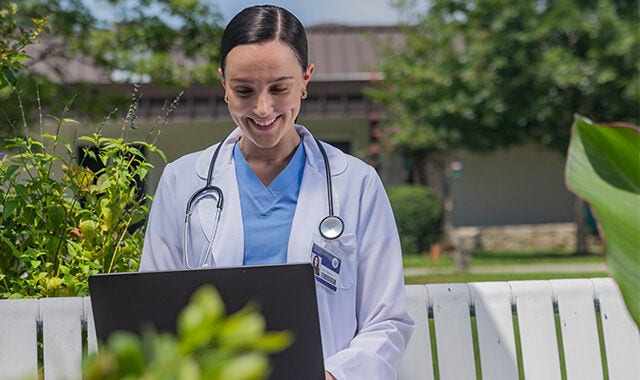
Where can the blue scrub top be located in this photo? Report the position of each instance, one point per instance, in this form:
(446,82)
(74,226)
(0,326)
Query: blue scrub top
(267,211)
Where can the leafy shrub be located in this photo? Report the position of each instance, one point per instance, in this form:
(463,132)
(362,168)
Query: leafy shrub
(418,214)
(62,222)
(209,345)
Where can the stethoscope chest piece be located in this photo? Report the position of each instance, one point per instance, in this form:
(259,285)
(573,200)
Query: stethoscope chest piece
(331,227)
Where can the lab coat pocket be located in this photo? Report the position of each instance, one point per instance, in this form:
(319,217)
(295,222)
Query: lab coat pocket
(344,248)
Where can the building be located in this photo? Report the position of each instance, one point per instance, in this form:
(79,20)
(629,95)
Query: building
(519,185)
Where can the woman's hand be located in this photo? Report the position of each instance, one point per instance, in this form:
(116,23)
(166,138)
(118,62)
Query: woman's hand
(328,376)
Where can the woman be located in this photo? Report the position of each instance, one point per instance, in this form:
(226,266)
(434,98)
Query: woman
(272,174)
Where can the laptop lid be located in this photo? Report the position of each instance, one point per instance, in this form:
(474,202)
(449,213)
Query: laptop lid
(286,295)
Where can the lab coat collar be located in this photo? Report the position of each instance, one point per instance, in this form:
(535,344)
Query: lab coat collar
(337,159)
(312,204)
(224,158)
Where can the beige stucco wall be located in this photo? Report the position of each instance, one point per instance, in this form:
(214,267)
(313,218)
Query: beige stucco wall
(520,185)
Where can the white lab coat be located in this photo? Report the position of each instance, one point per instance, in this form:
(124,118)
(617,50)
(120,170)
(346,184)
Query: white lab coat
(364,325)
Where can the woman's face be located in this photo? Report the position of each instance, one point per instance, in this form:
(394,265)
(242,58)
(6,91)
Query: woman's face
(263,83)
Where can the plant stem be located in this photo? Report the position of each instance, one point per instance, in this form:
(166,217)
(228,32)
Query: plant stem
(55,145)
(22,113)
(62,237)
(115,251)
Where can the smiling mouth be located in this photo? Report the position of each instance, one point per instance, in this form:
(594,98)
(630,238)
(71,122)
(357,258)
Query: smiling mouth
(265,124)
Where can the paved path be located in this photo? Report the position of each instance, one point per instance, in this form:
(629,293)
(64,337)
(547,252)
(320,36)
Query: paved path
(528,268)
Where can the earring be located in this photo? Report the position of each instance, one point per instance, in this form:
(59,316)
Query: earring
(303,95)
(226,98)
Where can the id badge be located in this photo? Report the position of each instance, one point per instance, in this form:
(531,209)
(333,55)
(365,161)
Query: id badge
(326,267)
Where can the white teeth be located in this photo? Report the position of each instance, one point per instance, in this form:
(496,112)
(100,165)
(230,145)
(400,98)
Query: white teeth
(265,123)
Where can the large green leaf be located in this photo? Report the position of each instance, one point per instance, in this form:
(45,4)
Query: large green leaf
(603,167)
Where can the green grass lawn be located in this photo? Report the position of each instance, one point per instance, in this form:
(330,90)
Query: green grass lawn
(443,271)
(444,278)
(504,258)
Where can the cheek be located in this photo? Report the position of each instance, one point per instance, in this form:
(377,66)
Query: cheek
(292,103)
(239,108)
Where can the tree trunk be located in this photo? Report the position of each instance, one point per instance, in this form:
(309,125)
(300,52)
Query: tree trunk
(436,176)
(580,217)
(447,203)
(432,169)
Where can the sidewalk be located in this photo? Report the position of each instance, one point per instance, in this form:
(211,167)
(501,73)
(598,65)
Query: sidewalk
(528,268)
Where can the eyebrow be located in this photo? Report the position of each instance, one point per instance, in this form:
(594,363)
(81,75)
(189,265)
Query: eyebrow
(243,80)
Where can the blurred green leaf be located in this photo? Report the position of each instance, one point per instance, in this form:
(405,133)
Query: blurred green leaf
(242,329)
(128,353)
(603,167)
(249,366)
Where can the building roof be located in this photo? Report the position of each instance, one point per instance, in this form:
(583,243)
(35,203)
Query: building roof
(339,52)
(349,53)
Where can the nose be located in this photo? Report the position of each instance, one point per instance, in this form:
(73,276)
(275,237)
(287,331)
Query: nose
(263,105)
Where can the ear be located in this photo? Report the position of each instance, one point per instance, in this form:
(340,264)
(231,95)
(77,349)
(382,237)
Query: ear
(221,78)
(306,77)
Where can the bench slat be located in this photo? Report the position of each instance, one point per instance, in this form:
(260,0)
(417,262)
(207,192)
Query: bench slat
(536,325)
(621,336)
(579,328)
(18,338)
(417,363)
(498,357)
(62,335)
(92,342)
(454,342)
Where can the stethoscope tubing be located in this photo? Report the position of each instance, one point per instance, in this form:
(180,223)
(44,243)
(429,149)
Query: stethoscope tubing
(331,221)
(327,171)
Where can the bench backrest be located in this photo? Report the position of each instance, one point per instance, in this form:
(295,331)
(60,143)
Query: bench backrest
(574,329)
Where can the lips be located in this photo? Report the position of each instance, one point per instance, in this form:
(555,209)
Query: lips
(265,123)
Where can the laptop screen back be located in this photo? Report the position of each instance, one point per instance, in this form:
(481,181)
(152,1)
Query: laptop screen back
(285,293)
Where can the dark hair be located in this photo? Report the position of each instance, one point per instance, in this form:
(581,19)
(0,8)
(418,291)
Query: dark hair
(264,23)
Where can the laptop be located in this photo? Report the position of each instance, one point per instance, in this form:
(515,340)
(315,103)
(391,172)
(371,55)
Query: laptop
(286,295)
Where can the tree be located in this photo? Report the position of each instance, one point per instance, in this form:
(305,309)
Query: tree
(167,42)
(482,74)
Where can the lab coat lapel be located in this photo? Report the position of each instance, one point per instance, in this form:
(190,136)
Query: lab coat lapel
(312,204)
(228,247)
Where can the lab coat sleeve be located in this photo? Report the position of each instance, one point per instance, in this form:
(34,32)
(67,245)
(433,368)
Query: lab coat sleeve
(384,327)
(162,248)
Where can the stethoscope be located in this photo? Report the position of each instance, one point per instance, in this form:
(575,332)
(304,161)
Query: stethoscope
(331,227)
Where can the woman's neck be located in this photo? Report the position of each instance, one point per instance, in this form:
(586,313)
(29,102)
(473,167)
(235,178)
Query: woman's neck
(268,163)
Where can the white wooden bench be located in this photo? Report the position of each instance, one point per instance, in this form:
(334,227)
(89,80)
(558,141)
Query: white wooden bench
(573,329)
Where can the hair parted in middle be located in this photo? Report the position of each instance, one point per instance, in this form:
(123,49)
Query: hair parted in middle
(264,23)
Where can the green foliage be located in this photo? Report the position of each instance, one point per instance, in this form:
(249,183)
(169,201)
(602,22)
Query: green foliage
(61,222)
(145,39)
(209,345)
(15,39)
(418,214)
(603,167)
(481,74)
(167,42)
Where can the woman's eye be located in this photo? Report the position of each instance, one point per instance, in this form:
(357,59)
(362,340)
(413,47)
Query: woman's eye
(278,90)
(242,91)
